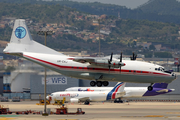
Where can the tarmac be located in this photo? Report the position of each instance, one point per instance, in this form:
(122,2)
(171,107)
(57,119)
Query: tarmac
(99,111)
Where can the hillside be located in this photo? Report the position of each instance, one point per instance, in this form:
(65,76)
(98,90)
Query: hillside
(110,9)
(161,7)
(74,30)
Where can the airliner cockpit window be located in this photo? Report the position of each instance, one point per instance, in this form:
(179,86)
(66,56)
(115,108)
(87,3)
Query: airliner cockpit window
(51,94)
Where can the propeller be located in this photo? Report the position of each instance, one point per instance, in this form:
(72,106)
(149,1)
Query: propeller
(133,57)
(120,61)
(110,60)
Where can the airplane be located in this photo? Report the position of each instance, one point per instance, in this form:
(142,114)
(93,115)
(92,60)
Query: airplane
(131,92)
(98,69)
(84,96)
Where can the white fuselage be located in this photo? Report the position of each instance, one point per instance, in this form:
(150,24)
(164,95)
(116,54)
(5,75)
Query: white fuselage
(133,71)
(129,91)
(82,95)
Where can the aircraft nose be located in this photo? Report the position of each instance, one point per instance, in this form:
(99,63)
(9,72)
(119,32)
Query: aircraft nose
(174,75)
(172,90)
(47,97)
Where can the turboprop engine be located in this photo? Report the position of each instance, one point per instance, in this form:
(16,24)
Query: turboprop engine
(114,64)
(74,100)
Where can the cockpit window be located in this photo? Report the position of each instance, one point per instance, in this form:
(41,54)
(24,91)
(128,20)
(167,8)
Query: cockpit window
(168,72)
(163,70)
(51,94)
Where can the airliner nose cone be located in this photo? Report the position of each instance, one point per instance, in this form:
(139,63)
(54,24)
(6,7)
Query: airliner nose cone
(47,97)
(172,90)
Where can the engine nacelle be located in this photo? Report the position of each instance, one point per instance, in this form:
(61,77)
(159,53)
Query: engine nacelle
(74,100)
(105,63)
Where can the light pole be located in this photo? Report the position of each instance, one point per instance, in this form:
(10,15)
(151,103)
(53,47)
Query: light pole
(99,36)
(45,33)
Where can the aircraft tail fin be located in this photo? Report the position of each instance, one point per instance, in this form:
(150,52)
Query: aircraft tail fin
(20,33)
(119,87)
(160,85)
(117,91)
(21,41)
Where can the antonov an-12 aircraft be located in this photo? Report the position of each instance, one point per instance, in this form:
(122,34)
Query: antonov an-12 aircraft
(100,70)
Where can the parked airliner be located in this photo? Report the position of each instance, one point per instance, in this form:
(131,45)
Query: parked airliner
(131,92)
(99,69)
(85,96)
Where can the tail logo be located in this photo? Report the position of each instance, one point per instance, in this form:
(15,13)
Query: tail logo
(20,32)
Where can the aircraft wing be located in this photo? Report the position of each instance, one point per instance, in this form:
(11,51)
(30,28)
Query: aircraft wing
(84,59)
(103,62)
(82,99)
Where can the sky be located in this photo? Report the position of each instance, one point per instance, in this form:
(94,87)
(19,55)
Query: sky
(128,3)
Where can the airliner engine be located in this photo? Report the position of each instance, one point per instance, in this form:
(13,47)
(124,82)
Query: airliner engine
(74,100)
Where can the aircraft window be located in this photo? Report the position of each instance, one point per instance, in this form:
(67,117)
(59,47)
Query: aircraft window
(129,70)
(72,67)
(156,69)
(77,67)
(168,72)
(51,94)
(93,68)
(134,71)
(141,71)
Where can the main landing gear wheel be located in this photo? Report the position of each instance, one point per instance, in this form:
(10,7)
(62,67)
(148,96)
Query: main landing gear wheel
(86,102)
(105,83)
(99,83)
(92,83)
(150,88)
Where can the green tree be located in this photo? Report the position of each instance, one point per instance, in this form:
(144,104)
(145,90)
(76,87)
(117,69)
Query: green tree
(152,47)
(10,68)
(163,54)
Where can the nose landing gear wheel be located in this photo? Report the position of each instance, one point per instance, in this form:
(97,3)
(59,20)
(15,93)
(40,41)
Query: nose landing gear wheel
(150,88)
(92,83)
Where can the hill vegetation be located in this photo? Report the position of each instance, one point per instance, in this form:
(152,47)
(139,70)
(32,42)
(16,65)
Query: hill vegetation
(127,32)
(140,13)
(162,7)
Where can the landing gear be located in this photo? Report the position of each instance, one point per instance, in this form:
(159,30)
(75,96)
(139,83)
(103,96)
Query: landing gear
(150,88)
(105,83)
(86,102)
(99,83)
(93,83)
(118,100)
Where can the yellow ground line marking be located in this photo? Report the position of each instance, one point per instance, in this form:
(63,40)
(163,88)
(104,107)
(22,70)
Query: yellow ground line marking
(147,116)
(68,119)
(4,118)
(173,112)
(154,116)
